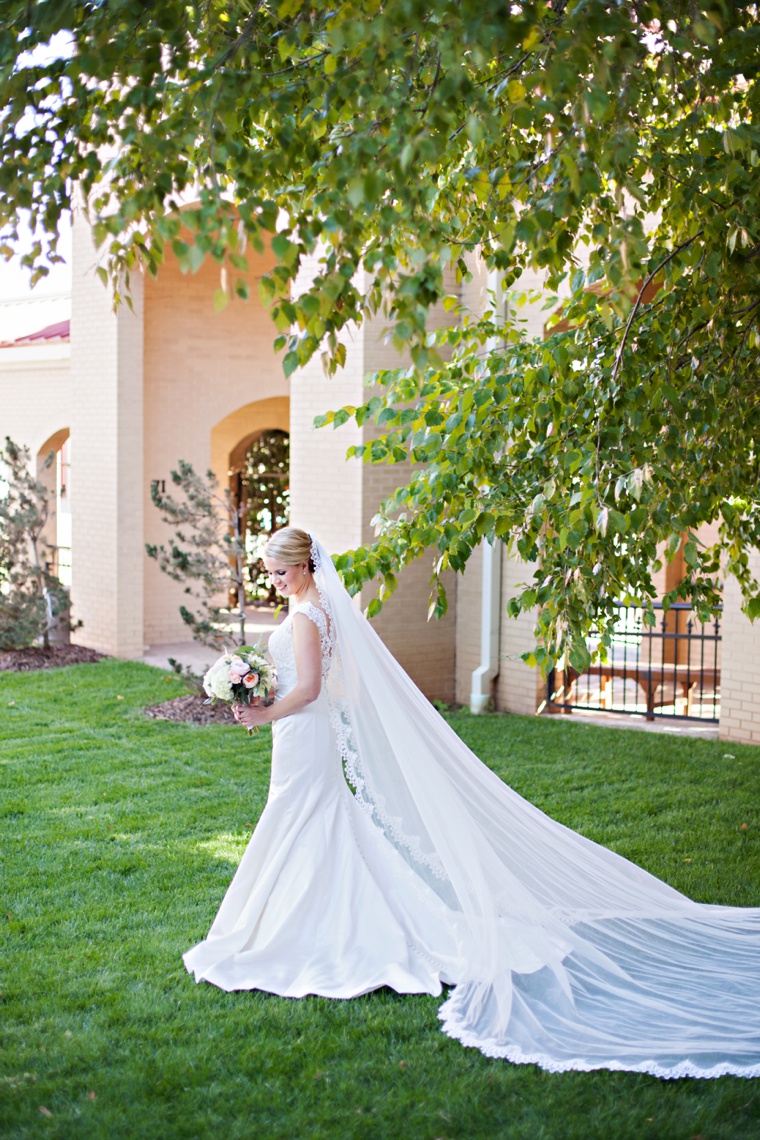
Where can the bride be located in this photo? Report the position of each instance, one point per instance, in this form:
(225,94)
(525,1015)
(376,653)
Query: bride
(389,855)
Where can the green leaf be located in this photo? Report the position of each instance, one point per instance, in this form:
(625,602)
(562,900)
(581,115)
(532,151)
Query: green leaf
(580,658)
(691,554)
(374,607)
(284,249)
(290,363)
(266,290)
(195,258)
(672,546)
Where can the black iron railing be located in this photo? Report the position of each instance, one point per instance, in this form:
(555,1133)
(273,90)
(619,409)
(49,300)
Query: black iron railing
(671,669)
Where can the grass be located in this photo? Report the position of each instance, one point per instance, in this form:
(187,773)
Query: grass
(118,836)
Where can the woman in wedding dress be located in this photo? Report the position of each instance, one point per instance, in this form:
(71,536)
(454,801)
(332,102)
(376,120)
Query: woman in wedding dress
(388,854)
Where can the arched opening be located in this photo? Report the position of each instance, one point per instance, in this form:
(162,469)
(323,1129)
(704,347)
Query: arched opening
(233,434)
(249,454)
(260,480)
(55,475)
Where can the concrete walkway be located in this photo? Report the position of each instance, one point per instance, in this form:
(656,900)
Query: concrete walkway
(704,730)
(259,625)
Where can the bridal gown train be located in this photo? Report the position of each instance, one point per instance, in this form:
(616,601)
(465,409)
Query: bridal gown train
(388,854)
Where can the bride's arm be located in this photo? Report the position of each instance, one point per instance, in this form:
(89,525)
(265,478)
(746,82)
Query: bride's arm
(308,654)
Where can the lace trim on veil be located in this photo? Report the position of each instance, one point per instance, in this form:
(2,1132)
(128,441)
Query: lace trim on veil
(453,1027)
(340,717)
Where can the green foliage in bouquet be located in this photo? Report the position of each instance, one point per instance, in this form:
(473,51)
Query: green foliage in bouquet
(206,553)
(33,602)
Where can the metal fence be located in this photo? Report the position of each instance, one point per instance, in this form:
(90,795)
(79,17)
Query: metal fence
(671,669)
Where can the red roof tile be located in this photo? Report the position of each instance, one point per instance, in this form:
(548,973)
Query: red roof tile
(58,331)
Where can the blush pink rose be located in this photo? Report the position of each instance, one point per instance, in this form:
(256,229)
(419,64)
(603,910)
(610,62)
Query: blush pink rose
(251,680)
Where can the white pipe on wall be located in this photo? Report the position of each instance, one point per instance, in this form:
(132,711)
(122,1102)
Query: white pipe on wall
(490,620)
(490,586)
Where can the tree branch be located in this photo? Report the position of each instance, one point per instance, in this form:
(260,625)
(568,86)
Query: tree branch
(642,290)
(235,46)
(433,86)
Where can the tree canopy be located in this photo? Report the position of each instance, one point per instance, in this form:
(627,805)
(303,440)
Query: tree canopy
(612,144)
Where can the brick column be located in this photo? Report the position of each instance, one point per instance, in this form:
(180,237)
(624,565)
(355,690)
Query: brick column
(107,457)
(740,667)
(519,689)
(339,498)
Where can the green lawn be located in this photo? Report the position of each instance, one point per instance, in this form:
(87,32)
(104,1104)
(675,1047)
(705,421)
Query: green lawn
(119,836)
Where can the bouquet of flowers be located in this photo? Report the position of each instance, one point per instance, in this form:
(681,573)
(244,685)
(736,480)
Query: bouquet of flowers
(240,675)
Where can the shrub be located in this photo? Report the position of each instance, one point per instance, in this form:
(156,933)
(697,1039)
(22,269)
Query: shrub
(206,552)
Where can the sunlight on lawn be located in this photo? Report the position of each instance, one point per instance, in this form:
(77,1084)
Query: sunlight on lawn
(224,846)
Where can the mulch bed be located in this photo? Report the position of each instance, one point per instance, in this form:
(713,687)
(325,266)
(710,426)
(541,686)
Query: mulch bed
(192,710)
(34,657)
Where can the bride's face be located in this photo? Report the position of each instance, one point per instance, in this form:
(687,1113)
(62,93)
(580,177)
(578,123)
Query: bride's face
(285,579)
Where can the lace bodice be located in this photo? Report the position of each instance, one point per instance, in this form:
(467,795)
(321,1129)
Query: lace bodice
(282,650)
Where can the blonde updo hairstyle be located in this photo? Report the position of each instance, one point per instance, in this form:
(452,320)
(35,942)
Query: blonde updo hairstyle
(290,546)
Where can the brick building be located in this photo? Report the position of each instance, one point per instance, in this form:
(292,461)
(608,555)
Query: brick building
(123,396)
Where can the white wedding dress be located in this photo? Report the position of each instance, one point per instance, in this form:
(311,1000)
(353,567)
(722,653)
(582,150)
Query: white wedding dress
(388,854)
(318,904)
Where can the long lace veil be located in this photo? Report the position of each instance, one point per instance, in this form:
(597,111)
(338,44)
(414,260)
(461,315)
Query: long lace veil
(570,956)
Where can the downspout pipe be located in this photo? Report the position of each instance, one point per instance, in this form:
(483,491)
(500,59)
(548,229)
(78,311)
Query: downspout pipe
(490,586)
(490,620)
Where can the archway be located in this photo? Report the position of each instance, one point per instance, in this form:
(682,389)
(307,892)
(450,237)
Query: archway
(55,477)
(231,441)
(260,481)
(231,437)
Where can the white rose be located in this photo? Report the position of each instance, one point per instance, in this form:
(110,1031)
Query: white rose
(216,682)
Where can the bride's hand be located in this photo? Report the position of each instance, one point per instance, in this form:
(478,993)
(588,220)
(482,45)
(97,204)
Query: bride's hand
(252,715)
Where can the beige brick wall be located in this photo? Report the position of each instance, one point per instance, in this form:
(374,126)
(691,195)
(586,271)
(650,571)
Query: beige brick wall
(35,394)
(107,458)
(530,316)
(519,689)
(474,293)
(232,437)
(35,406)
(468,622)
(425,648)
(338,498)
(740,679)
(326,489)
(211,380)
